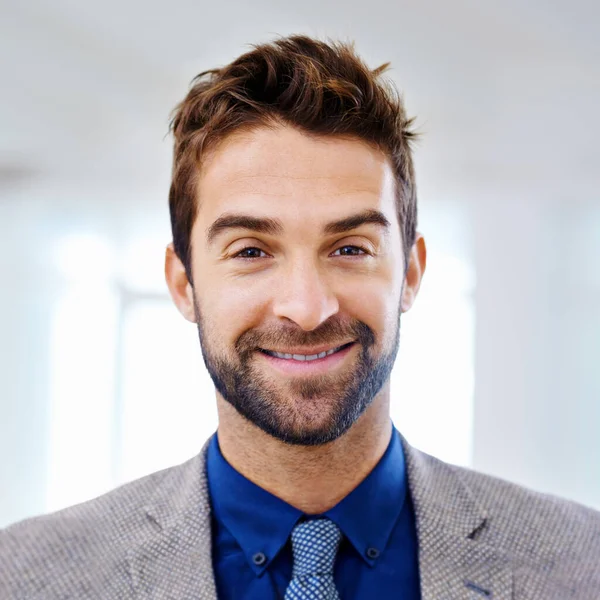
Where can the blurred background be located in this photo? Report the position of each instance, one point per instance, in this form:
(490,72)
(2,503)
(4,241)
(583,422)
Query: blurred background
(499,367)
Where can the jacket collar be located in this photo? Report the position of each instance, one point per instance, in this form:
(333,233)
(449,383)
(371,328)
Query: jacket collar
(173,559)
(454,560)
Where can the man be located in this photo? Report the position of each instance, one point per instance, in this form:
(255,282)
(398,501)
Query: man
(295,251)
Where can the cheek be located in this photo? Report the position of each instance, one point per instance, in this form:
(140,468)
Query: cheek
(375,306)
(232,309)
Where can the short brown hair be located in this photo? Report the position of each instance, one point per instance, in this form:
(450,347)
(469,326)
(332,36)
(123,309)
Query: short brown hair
(320,88)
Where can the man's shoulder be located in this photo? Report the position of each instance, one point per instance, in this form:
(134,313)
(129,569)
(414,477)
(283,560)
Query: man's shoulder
(512,508)
(89,540)
(112,507)
(501,534)
(532,528)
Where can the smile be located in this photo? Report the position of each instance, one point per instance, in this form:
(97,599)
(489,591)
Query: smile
(305,357)
(293,364)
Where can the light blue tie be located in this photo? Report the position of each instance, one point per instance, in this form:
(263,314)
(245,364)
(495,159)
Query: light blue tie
(314,545)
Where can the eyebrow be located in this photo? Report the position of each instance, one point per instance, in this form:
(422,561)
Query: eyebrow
(258,224)
(370,216)
(275,226)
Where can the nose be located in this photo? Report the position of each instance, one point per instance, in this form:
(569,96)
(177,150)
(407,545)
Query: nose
(304,297)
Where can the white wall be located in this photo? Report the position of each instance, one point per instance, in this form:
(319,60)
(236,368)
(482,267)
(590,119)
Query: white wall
(537,409)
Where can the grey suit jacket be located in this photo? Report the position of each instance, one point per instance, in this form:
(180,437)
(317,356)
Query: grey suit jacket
(479,537)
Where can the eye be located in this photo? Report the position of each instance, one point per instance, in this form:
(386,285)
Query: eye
(249,253)
(351,251)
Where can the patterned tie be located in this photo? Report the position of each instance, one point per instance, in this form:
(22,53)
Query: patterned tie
(314,545)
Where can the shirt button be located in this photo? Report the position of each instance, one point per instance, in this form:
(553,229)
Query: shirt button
(259,559)
(372,552)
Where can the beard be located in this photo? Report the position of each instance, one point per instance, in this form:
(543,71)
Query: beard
(306,411)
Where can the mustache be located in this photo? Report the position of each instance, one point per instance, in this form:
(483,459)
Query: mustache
(329,333)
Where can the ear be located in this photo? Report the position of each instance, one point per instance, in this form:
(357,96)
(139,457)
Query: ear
(179,287)
(417,262)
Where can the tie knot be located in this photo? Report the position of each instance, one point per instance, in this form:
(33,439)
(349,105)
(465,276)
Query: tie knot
(314,545)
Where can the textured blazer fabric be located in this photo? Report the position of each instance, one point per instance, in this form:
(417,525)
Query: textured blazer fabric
(479,537)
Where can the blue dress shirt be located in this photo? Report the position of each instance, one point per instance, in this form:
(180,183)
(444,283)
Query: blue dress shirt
(252,555)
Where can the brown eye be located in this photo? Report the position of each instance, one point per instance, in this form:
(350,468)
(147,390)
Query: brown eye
(249,252)
(351,251)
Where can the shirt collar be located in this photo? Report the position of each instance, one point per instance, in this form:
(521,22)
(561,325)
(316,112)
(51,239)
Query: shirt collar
(258,520)
(263,522)
(367,515)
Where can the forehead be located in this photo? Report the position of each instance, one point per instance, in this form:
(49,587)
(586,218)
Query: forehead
(282,169)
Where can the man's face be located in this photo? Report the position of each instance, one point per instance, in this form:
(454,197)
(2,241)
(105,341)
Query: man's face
(297,251)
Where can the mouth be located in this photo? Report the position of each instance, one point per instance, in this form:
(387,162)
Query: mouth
(305,357)
(291,364)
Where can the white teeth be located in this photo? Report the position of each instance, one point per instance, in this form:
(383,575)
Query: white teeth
(303,357)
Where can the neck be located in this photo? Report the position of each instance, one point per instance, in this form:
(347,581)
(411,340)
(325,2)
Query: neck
(311,478)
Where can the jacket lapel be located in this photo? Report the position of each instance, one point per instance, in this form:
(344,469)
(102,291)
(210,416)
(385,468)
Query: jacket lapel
(174,560)
(454,561)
